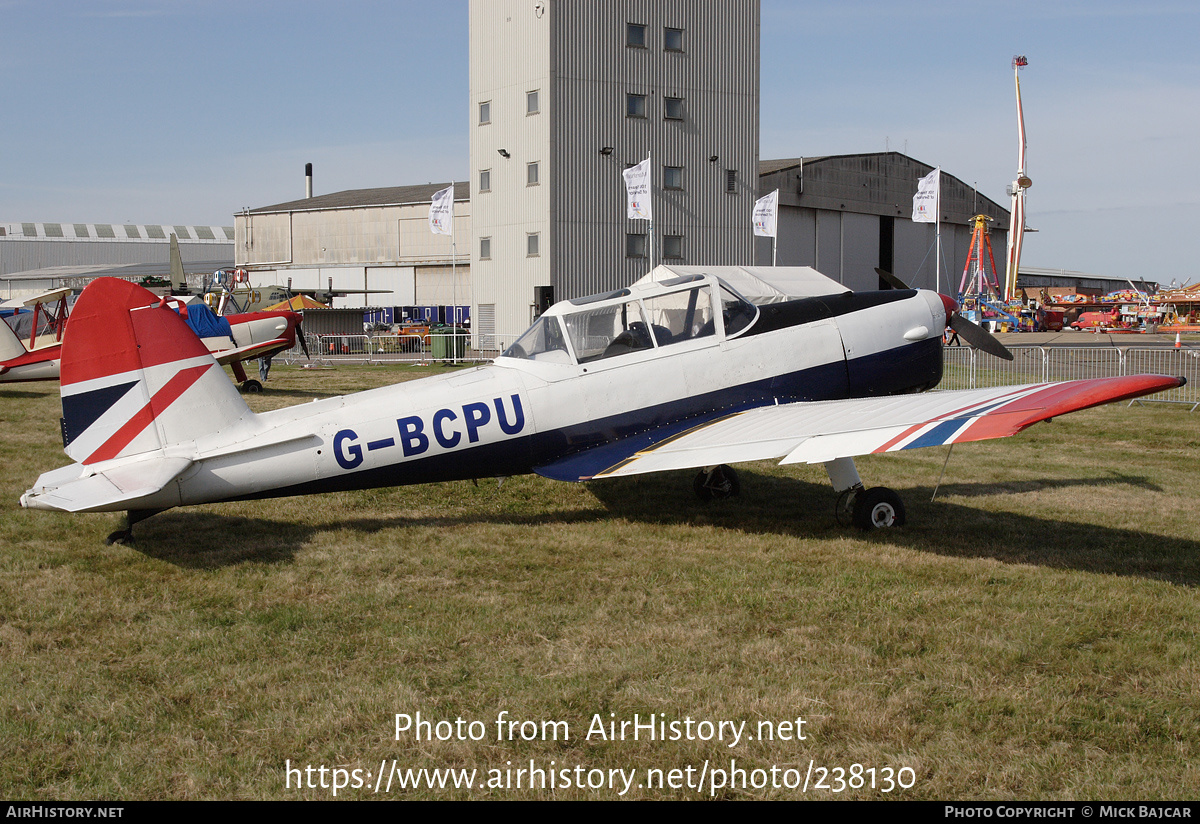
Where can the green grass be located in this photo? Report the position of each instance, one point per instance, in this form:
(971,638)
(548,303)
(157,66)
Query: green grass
(1030,635)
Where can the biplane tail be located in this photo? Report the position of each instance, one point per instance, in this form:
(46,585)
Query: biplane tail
(10,344)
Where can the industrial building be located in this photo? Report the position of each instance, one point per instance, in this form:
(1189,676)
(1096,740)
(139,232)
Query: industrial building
(373,245)
(1064,281)
(37,257)
(845,215)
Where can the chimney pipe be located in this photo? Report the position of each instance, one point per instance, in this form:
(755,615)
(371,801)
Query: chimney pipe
(308,180)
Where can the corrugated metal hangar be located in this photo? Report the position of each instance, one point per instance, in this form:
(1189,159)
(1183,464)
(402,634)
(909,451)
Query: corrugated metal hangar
(845,215)
(36,257)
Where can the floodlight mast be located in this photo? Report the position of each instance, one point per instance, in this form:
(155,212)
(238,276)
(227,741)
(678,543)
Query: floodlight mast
(1016,227)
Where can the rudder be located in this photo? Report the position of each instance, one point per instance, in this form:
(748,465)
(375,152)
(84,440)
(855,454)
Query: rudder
(135,378)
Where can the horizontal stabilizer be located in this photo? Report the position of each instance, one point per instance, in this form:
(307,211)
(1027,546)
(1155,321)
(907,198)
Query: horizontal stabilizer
(77,489)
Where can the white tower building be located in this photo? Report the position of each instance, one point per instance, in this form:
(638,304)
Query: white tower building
(565,95)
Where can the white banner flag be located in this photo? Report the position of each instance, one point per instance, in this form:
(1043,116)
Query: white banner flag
(441,212)
(925,200)
(637,188)
(766,214)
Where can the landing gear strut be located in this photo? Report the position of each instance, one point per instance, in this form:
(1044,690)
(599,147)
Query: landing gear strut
(247,384)
(717,484)
(867,509)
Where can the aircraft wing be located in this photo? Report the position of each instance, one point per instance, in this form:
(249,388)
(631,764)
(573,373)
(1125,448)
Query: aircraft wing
(823,431)
(251,351)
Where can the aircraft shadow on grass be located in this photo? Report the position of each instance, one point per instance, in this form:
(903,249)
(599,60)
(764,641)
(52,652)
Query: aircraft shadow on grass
(768,505)
(22,394)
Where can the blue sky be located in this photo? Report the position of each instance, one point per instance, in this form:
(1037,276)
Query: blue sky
(173,112)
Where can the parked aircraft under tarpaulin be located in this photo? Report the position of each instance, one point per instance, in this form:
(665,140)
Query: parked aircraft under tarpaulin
(679,373)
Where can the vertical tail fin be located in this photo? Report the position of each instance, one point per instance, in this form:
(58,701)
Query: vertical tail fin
(10,345)
(135,378)
(178,278)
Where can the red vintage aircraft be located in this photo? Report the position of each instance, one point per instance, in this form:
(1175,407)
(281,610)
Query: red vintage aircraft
(34,355)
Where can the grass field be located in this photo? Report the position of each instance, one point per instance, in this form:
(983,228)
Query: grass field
(1031,634)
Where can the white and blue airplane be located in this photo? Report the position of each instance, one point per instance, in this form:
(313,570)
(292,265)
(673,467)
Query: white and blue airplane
(668,374)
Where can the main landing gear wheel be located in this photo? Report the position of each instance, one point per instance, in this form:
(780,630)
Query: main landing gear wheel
(252,386)
(717,484)
(878,508)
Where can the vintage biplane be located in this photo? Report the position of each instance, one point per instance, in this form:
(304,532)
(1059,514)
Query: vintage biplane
(31,342)
(665,374)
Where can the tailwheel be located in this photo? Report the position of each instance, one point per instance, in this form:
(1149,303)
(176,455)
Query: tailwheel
(252,386)
(124,535)
(717,484)
(878,508)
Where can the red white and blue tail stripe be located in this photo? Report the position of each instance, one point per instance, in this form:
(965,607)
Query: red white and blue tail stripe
(128,360)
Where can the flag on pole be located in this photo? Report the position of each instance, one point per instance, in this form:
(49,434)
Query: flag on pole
(441,212)
(925,200)
(637,189)
(766,215)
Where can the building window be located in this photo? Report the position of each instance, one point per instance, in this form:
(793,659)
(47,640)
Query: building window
(731,180)
(672,177)
(531,174)
(635,35)
(673,39)
(531,244)
(635,245)
(672,247)
(485,180)
(531,102)
(485,248)
(635,105)
(673,108)
(485,112)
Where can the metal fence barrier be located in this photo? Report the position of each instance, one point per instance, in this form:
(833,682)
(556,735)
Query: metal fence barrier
(379,348)
(967,368)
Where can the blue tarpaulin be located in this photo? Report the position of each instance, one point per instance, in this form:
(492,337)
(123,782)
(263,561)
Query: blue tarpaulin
(206,323)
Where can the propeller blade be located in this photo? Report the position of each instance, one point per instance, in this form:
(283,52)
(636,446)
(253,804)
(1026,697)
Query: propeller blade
(979,337)
(303,342)
(891,279)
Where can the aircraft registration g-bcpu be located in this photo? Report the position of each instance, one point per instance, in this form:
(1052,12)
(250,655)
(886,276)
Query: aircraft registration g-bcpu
(665,374)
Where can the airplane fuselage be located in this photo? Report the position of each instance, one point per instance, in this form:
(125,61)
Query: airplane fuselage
(665,374)
(522,415)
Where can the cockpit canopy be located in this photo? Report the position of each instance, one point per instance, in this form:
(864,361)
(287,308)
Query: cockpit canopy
(641,318)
